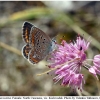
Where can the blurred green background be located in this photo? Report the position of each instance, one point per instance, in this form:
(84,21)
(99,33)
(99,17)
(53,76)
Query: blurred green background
(55,18)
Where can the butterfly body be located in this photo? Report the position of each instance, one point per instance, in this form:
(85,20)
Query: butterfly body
(38,44)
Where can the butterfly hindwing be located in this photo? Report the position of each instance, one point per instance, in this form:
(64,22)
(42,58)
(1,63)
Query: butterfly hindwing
(25,50)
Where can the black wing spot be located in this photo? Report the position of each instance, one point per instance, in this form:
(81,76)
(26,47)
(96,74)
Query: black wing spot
(38,56)
(39,46)
(37,43)
(41,36)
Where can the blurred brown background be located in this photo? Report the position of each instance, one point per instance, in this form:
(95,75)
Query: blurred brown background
(68,18)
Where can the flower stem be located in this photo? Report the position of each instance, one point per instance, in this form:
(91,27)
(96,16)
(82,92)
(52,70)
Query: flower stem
(56,67)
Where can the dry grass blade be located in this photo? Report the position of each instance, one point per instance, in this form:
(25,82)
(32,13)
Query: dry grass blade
(10,48)
(98,86)
(78,92)
(86,93)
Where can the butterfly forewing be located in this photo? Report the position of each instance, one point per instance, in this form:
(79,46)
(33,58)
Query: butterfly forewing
(26,31)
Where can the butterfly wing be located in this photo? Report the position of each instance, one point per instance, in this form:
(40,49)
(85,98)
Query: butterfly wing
(38,44)
(33,57)
(41,44)
(26,31)
(25,50)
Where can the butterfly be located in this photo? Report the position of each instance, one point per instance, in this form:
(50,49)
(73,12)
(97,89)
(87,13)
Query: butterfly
(37,44)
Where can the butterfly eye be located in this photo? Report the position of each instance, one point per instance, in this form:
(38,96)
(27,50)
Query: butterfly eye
(54,41)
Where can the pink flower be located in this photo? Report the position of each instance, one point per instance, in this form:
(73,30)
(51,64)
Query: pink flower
(70,78)
(95,69)
(68,60)
(81,44)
